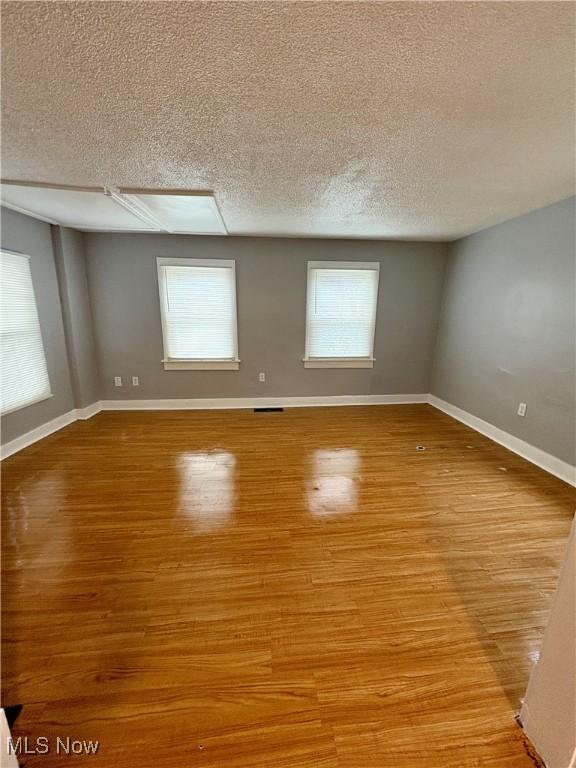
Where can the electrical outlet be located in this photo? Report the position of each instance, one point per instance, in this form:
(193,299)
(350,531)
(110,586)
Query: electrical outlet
(135,381)
(262,377)
(521,409)
(117,381)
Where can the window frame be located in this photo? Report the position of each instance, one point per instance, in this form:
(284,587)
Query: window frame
(49,394)
(196,364)
(339,362)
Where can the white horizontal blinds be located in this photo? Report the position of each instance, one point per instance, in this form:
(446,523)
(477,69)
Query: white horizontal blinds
(24,373)
(341,312)
(199,312)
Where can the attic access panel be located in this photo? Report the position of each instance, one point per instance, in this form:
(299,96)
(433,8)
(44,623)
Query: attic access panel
(126,210)
(79,208)
(178,211)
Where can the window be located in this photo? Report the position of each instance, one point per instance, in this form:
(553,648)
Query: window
(341,314)
(24,373)
(198,306)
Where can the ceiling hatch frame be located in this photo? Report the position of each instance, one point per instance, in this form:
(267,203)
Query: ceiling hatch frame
(133,196)
(130,200)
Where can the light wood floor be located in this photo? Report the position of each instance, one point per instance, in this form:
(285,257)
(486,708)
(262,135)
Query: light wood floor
(293,590)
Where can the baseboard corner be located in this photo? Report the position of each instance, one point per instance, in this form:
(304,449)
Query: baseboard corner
(554,466)
(89,410)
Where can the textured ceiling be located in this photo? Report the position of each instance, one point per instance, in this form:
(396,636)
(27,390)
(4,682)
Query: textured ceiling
(355,119)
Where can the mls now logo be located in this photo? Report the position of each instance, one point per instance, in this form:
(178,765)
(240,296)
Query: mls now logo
(42,746)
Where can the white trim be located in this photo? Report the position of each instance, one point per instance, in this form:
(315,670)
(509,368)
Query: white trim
(89,411)
(162,261)
(26,212)
(135,195)
(201,365)
(125,231)
(39,433)
(224,403)
(217,403)
(351,362)
(369,265)
(177,261)
(146,216)
(544,460)
(313,266)
(40,185)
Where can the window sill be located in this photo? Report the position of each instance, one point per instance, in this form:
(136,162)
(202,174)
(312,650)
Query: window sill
(201,365)
(339,363)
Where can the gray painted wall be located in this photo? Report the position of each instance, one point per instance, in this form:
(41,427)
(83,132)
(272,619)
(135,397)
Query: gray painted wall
(505,316)
(271,289)
(507,329)
(77,314)
(25,235)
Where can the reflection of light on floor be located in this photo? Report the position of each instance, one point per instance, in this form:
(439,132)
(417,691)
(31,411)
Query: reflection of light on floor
(40,495)
(332,487)
(207,489)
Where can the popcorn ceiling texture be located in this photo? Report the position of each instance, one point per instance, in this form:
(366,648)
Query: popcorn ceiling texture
(353,119)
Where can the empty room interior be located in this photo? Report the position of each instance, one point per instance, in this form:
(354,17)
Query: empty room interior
(288,384)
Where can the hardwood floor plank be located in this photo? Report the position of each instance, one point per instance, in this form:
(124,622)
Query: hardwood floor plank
(288,590)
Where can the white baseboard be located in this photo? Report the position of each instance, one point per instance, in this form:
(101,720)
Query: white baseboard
(544,460)
(199,404)
(206,403)
(89,411)
(19,443)
(37,434)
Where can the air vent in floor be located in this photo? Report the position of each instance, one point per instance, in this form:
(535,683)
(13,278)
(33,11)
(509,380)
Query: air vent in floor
(268,410)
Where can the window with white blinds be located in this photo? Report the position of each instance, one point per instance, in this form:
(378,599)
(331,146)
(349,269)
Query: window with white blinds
(341,314)
(24,372)
(198,305)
